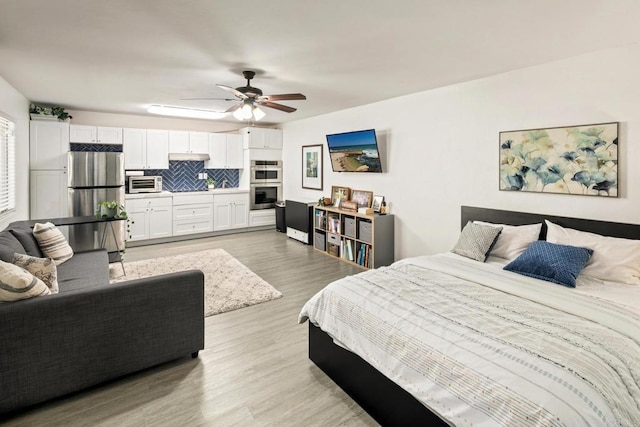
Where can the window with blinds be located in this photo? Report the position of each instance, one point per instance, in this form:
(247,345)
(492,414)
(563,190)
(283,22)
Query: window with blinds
(7,166)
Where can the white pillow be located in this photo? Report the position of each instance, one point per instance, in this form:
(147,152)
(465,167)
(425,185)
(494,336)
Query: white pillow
(614,259)
(43,268)
(16,283)
(52,242)
(514,239)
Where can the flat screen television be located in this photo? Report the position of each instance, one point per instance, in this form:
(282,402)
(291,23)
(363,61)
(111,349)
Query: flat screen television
(354,151)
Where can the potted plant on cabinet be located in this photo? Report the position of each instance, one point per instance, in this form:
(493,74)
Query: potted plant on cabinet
(211,183)
(38,112)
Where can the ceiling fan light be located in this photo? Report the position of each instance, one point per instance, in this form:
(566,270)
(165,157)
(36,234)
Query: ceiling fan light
(258,114)
(238,114)
(246,111)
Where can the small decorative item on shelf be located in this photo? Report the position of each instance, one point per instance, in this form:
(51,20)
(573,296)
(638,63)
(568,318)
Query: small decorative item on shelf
(349,205)
(38,112)
(383,208)
(211,183)
(377,203)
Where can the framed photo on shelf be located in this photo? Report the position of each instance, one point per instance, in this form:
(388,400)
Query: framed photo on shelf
(339,194)
(312,167)
(362,198)
(377,202)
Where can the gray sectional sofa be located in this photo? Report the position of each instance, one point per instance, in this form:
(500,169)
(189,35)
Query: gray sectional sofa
(91,331)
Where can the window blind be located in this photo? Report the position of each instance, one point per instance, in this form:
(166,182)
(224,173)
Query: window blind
(7,166)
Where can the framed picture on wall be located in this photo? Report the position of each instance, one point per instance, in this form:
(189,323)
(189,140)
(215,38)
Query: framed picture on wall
(580,160)
(312,167)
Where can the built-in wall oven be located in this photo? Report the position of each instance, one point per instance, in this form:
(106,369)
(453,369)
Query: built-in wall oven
(266,184)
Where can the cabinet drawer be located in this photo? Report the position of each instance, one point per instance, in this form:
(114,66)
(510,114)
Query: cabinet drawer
(365,231)
(199,211)
(333,239)
(190,227)
(192,199)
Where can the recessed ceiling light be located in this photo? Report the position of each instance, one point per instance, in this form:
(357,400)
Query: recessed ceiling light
(185,112)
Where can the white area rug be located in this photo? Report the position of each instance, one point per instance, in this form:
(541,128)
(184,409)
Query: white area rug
(228,284)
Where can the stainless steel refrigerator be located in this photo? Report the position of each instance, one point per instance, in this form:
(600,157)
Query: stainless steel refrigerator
(95,177)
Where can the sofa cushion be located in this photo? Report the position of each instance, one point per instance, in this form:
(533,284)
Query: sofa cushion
(16,283)
(52,242)
(43,268)
(28,242)
(83,270)
(9,245)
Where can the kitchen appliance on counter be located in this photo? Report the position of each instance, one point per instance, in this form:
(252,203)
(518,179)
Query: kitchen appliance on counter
(95,177)
(266,184)
(145,184)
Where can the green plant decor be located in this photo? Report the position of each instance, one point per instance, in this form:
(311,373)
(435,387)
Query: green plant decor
(59,112)
(211,182)
(113,209)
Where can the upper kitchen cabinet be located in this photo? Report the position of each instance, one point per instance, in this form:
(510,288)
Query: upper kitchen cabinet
(225,150)
(262,138)
(95,135)
(48,145)
(145,148)
(188,142)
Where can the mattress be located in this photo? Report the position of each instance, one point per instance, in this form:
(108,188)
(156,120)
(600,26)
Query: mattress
(481,346)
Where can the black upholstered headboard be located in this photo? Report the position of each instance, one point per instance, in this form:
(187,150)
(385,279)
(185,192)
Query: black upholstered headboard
(606,228)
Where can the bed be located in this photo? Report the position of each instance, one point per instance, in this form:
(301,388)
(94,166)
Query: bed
(446,340)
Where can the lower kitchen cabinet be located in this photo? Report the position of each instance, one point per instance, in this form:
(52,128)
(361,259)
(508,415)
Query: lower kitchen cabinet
(230,211)
(149,218)
(192,214)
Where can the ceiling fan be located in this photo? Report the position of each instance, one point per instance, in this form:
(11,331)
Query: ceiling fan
(251,98)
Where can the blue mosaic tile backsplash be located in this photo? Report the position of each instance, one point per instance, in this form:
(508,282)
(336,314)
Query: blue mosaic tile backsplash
(108,148)
(183,176)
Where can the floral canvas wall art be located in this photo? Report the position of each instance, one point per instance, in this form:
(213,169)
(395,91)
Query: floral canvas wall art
(568,160)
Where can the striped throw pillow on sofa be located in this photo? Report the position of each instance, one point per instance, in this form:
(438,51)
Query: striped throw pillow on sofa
(16,283)
(52,242)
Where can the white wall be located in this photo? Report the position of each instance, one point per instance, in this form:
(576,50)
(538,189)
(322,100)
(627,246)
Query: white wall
(150,122)
(442,145)
(16,107)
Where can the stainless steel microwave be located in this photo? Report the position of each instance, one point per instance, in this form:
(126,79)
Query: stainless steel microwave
(145,184)
(266,171)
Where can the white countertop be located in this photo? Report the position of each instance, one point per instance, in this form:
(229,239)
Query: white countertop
(185,193)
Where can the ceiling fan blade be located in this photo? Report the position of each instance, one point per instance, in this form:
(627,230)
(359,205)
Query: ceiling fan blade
(284,97)
(208,99)
(280,107)
(233,91)
(234,108)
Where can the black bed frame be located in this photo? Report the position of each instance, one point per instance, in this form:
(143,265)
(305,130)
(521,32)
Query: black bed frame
(384,400)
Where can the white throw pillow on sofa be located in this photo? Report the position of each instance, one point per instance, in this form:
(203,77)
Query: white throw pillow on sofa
(16,283)
(43,268)
(52,242)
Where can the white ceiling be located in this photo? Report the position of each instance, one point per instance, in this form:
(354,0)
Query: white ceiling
(121,56)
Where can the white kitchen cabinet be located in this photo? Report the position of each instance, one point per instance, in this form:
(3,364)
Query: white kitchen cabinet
(149,218)
(48,194)
(188,142)
(230,211)
(145,149)
(48,145)
(225,151)
(254,137)
(192,214)
(262,217)
(95,134)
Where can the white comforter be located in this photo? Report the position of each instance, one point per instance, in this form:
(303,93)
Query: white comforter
(482,346)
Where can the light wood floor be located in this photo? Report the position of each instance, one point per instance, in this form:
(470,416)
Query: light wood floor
(254,370)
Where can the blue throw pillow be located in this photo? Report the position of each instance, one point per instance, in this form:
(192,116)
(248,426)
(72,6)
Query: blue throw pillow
(559,264)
